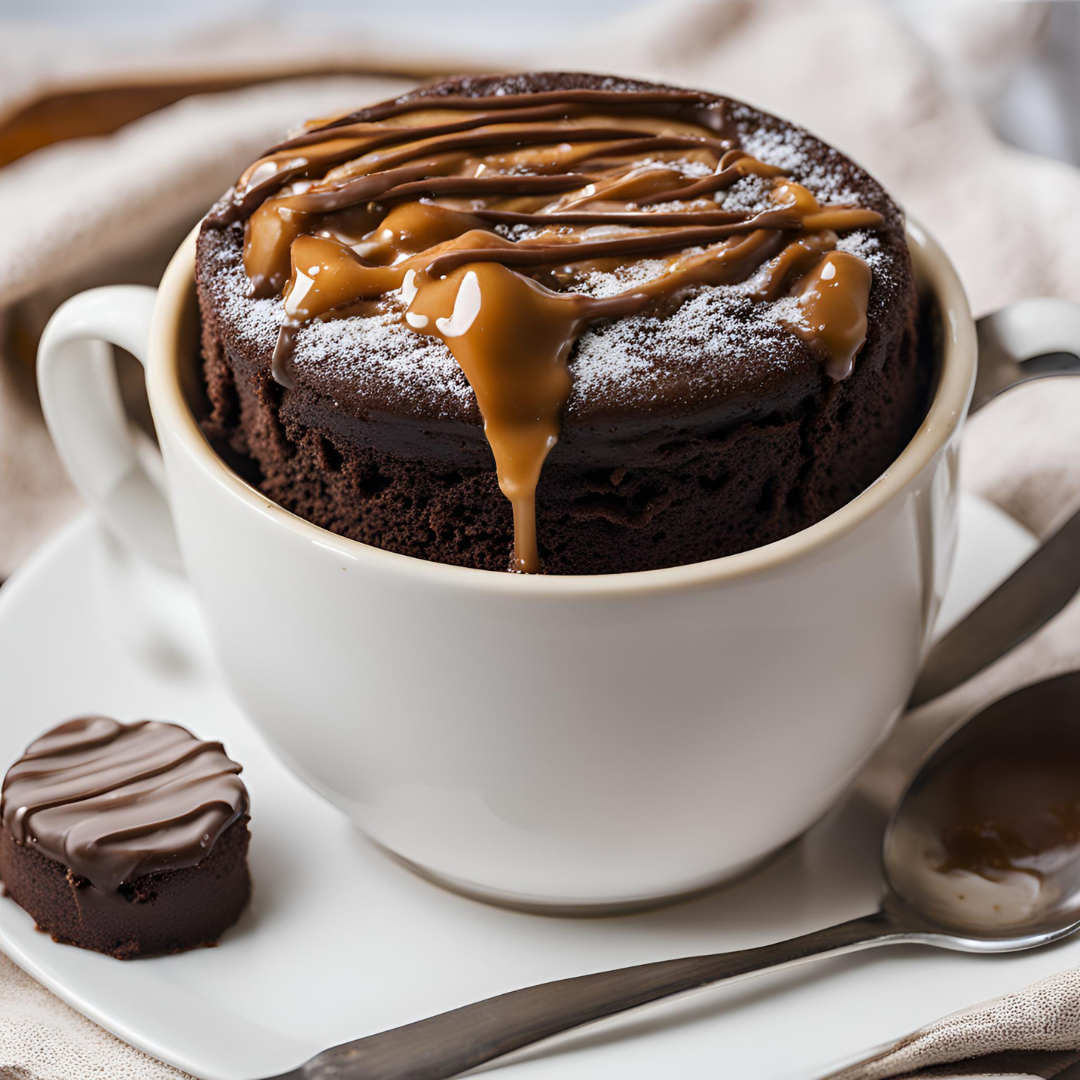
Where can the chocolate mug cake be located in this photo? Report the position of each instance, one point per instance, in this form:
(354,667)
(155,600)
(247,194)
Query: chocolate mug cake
(561,323)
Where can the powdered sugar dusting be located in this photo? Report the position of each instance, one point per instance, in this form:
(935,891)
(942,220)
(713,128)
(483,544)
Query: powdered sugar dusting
(420,369)
(689,167)
(749,195)
(254,323)
(366,354)
(513,84)
(600,284)
(866,246)
(717,331)
(787,311)
(789,148)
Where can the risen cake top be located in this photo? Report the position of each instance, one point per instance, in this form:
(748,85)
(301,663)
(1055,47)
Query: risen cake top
(561,241)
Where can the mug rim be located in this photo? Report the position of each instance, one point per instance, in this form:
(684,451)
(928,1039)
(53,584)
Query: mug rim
(947,409)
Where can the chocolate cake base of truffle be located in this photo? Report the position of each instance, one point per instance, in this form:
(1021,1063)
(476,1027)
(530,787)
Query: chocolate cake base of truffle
(168,911)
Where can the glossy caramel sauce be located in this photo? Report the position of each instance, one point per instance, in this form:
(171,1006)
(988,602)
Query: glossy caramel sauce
(1019,812)
(476,216)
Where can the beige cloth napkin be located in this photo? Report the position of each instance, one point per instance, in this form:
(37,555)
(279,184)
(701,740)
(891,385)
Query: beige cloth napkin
(112,209)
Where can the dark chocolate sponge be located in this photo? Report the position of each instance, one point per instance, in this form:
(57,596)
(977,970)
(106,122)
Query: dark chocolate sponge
(128,839)
(704,433)
(165,912)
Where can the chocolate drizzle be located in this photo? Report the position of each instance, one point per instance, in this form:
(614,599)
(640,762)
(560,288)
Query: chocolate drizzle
(475,217)
(116,801)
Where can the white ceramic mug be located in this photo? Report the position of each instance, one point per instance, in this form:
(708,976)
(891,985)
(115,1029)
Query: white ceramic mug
(570,741)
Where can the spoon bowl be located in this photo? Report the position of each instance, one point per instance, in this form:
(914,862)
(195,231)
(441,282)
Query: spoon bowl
(985,843)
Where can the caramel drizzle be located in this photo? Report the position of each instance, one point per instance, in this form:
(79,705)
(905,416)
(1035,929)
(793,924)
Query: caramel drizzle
(406,215)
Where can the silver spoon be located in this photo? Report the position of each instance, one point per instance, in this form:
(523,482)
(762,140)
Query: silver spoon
(981,855)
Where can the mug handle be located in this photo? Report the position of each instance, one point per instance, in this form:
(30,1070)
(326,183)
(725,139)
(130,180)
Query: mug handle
(80,397)
(1029,339)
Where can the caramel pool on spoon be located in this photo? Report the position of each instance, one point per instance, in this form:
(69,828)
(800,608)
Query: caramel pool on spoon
(981,855)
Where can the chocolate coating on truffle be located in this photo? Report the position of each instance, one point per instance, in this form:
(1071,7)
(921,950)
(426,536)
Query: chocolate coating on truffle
(114,801)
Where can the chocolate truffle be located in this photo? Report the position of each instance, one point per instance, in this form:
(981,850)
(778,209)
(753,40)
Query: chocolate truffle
(559,322)
(128,839)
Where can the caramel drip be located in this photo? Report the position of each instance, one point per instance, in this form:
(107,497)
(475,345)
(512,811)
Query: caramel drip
(483,311)
(832,302)
(476,217)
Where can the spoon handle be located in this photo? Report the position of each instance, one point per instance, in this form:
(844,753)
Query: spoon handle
(448,1044)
